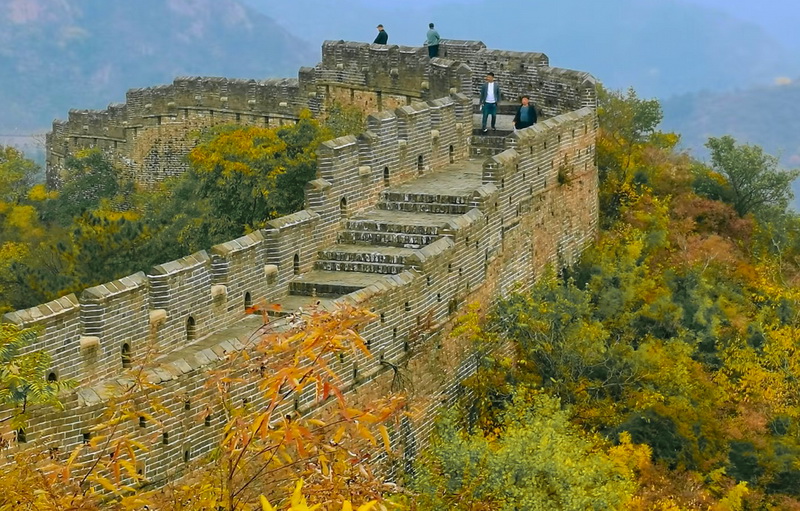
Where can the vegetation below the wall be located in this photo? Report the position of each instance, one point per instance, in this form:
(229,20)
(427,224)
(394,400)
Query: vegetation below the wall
(263,458)
(662,370)
(99,228)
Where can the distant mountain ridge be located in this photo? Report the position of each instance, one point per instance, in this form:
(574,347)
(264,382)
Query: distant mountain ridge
(768,116)
(62,54)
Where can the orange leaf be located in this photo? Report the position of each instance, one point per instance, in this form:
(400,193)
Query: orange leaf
(385,436)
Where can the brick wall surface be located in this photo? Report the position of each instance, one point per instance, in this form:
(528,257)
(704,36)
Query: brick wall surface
(149,136)
(535,205)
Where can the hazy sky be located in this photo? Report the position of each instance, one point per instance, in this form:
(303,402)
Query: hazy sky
(781,18)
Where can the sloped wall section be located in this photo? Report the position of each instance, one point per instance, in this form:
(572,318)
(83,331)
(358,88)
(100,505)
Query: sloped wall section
(536,205)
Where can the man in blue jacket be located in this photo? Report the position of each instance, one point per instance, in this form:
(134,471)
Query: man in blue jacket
(490,96)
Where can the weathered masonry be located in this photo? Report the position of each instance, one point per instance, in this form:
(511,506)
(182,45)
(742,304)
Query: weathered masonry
(150,134)
(399,220)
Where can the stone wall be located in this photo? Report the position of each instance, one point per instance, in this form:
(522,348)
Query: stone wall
(553,90)
(149,136)
(535,204)
(192,311)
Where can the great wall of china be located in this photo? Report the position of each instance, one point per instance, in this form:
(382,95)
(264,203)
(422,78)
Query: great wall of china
(412,218)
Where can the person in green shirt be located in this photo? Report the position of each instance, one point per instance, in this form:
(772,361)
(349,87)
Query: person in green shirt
(433,41)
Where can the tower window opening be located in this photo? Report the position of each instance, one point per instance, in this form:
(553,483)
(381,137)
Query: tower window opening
(126,356)
(191,331)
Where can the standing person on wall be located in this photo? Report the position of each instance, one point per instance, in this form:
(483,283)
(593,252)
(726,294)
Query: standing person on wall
(382,38)
(490,96)
(526,114)
(433,41)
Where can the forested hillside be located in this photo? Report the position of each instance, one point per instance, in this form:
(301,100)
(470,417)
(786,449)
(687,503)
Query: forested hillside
(662,370)
(768,116)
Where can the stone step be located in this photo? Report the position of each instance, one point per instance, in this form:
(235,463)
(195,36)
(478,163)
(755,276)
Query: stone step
(457,180)
(366,254)
(392,239)
(295,304)
(360,266)
(484,151)
(323,283)
(490,137)
(504,108)
(377,225)
(425,207)
(423,197)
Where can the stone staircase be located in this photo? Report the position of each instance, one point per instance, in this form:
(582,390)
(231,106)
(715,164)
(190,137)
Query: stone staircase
(484,145)
(382,241)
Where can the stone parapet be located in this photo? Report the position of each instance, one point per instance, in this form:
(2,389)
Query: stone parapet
(398,221)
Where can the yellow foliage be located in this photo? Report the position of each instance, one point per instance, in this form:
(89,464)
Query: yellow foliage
(40,193)
(629,458)
(235,151)
(733,499)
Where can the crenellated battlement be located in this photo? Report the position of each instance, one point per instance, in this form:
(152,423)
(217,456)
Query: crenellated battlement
(399,220)
(149,136)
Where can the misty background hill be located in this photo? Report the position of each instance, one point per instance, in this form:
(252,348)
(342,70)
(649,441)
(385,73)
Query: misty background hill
(62,54)
(713,63)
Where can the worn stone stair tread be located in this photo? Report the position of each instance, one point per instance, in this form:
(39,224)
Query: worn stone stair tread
(457,179)
(339,278)
(370,238)
(290,304)
(433,208)
(490,138)
(375,249)
(405,217)
(360,266)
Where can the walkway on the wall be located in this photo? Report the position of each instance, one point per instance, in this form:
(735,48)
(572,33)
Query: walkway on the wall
(382,241)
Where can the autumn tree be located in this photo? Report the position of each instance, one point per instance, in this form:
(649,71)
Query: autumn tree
(534,459)
(267,455)
(626,122)
(629,147)
(91,179)
(17,174)
(252,174)
(755,182)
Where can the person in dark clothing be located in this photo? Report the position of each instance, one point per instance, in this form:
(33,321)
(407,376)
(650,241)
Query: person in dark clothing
(433,41)
(382,38)
(526,114)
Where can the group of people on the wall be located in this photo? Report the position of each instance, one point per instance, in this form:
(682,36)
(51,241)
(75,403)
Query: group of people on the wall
(491,94)
(432,39)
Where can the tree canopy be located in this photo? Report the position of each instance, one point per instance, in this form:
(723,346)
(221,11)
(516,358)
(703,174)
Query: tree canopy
(671,344)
